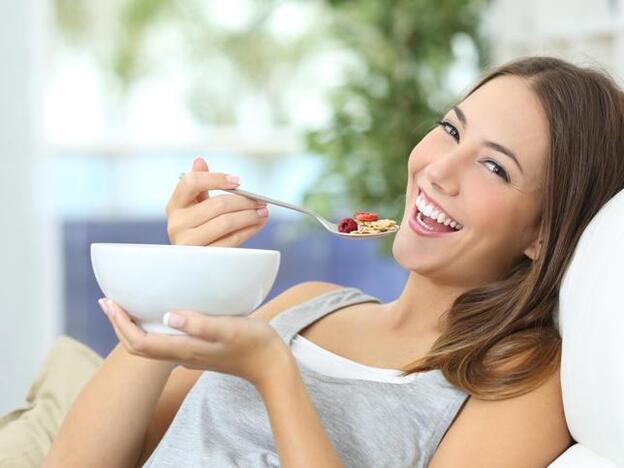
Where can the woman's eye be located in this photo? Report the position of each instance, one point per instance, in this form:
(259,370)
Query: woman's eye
(452,130)
(499,171)
(449,128)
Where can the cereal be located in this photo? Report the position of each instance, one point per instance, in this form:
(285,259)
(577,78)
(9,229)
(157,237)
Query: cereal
(364,216)
(365,224)
(347,225)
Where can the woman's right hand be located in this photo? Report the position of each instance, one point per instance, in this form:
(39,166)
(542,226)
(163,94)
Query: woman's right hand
(195,218)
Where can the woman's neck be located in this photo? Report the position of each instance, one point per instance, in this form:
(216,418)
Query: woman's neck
(419,308)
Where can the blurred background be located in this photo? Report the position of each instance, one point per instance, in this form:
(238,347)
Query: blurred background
(318,102)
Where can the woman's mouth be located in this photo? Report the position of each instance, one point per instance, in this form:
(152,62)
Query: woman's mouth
(435,224)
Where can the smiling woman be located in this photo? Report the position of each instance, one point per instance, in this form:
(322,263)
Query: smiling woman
(462,369)
(526,159)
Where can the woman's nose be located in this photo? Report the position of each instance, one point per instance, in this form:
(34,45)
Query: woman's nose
(444,171)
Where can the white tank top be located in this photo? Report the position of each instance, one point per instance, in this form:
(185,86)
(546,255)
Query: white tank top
(325,362)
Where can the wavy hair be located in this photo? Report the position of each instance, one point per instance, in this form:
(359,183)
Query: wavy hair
(500,340)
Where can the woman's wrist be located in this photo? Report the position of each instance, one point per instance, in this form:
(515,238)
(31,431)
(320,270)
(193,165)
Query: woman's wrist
(159,366)
(278,369)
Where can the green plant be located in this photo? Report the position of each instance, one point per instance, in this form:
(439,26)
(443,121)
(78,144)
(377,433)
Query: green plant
(388,102)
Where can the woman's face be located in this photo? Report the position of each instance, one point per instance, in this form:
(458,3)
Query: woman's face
(465,166)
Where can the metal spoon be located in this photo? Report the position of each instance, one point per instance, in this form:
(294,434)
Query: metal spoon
(331,227)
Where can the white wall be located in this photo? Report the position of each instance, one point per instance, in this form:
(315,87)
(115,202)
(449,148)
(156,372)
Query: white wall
(29,280)
(586,32)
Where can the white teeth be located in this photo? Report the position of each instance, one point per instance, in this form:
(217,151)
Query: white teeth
(427,210)
(430,211)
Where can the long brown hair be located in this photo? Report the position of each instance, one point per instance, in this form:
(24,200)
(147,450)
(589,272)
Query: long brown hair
(500,340)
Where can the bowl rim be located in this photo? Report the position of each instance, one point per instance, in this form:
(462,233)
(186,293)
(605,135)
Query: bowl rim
(196,248)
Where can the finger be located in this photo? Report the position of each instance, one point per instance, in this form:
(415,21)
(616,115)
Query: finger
(120,335)
(175,349)
(222,225)
(185,350)
(199,165)
(196,215)
(133,335)
(208,328)
(195,182)
(106,308)
(237,238)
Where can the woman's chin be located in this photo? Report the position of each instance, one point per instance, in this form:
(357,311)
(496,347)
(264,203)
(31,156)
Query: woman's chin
(407,252)
(404,253)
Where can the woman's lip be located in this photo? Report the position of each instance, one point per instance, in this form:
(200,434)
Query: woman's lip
(420,231)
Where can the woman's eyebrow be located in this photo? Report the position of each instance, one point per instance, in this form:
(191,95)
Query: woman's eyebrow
(495,146)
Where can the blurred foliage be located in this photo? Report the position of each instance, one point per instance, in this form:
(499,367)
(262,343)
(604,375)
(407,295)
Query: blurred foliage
(82,22)
(120,36)
(390,102)
(401,52)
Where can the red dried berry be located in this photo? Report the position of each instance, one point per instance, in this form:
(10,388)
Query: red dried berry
(347,225)
(364,216)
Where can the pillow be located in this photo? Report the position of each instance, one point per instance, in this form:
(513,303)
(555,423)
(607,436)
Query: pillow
(26,434)
(591,323)
(579,456)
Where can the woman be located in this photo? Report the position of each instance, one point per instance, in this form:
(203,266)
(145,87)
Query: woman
(522,164)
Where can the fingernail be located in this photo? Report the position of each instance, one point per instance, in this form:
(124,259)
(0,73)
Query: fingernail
(109,307)
(233,178)
(103,306)
(173,320)
(263,212)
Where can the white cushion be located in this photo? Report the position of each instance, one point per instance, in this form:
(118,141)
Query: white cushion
(579,456)
(591,322)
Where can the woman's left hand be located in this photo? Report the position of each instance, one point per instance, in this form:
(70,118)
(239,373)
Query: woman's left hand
(242,346)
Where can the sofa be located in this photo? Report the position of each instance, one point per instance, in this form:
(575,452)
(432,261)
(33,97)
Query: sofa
(591,322)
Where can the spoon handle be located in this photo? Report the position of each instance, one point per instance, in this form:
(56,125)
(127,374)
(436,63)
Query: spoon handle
(272,201)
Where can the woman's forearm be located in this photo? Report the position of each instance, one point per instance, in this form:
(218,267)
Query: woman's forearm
(300,438)
(107,423)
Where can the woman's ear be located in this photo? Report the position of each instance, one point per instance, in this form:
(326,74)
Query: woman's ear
(532,251)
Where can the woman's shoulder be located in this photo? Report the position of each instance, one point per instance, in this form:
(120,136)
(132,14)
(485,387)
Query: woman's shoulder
(527,430)
(292,297)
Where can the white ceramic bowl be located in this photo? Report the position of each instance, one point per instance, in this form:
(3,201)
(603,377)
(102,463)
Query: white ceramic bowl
(149,280)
